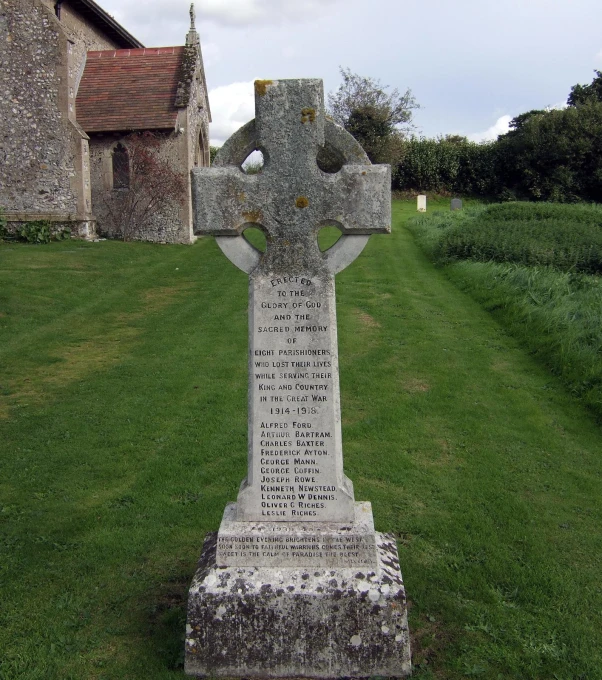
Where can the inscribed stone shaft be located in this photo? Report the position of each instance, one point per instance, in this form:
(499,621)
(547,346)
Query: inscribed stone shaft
(295,464)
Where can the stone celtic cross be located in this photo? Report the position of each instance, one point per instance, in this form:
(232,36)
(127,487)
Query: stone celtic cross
(296,582)
(295,464)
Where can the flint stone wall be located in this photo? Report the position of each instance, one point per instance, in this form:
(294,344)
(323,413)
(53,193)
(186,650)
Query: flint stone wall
(183,151)
(85,229)
(82,37)
(195,121)
(171,225)
(43,152)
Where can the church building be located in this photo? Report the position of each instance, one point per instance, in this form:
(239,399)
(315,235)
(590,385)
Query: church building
(78,94)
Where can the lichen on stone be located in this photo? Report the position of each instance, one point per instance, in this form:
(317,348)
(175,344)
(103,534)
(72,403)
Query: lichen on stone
(253,216)
(308,115)
(302,202)
(261,87)
(187,72)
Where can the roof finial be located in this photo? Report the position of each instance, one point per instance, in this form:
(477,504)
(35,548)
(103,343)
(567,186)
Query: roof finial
(192,37)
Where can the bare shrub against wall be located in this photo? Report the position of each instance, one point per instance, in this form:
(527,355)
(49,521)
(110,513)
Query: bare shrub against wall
(144,185)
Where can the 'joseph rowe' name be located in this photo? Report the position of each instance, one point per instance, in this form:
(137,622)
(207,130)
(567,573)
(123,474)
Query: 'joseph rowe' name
(290,482)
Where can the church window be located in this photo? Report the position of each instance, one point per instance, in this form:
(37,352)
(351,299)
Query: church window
(201,156)
(121,167)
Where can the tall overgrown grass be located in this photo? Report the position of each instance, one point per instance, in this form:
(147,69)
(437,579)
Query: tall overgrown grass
(568,237)
(532,266)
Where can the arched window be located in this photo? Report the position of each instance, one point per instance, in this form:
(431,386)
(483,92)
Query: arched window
(121,167)
(201,156)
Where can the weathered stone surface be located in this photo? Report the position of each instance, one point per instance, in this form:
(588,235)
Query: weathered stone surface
(304,586)
(44,152)
(456,204)
(421,203)
(295,470)
(298,544)
(233,153)
(182,147)
(291,199)
(84,229)
(171,223)
(296,456)
(314,623)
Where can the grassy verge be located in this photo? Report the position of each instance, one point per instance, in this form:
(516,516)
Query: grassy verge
(123,434)
(567,237)
(555,310)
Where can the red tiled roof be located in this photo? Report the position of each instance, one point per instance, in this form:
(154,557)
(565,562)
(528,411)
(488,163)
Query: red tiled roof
(132,89)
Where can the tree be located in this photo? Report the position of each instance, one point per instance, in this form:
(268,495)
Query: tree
(376,118)
(519,122)
(554,155)
(457,140)
(581,94)
(213,153)
(153,188)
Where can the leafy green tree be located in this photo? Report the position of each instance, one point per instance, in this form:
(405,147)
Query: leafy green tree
(376,118)
(581,94)
(518,122)
(456,139)
(213,153)
(554,155)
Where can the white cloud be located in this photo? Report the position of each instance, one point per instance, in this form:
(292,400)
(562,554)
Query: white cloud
(232,11)
(244,12)
(231,107)
(500,127)
(558,106)
(221,12)
(598,57)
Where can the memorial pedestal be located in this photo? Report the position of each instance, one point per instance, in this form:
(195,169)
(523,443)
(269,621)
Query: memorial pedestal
(314,622)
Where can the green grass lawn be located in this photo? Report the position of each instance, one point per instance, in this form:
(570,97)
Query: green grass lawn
(123,435)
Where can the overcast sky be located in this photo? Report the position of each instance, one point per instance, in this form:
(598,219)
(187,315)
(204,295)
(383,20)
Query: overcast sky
(471,64)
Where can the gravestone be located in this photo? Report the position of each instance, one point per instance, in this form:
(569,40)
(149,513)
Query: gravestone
(421,203)
(456,204)
(296,583)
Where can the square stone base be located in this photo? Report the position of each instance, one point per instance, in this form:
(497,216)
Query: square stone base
(312,622)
